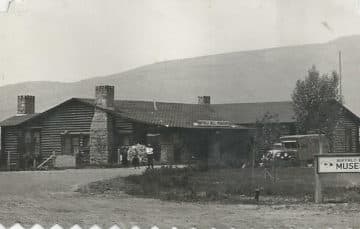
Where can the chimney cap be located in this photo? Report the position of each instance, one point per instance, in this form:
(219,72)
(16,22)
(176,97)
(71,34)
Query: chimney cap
(26,96)
(25,104)
(204,99)
(104,96)
(105,86)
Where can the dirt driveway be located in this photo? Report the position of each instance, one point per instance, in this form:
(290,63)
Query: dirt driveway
(48,197)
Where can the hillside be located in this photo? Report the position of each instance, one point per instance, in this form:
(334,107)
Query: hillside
(248,76)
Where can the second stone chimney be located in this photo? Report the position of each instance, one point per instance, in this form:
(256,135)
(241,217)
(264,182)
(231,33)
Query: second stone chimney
(104,96)
(25,104)
(204,99)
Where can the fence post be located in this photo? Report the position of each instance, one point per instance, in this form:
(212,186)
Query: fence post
(321,145)
(253,167)
(318,189)
(8,160)
(275,165)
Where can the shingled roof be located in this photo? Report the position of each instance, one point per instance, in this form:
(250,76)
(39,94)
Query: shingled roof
(177,115)
(248,113)
(186,115)
(17,119)
(166,114)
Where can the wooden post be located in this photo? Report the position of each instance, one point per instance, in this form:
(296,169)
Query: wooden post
(274,168)
(321,145)
(318,189)
(8,160)
(253,167)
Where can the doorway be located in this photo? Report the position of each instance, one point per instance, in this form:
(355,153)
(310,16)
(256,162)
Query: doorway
(78,146)
(31,148)
(154,140)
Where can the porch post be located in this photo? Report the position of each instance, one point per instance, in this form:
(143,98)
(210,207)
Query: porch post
(214,156)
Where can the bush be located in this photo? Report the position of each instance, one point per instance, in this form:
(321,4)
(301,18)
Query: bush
(230,185)
(156,181)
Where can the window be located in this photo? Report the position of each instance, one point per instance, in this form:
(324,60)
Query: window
(36,142)
(72,144)
(32,142)
(84,141)
(27,140)
(348,140)
(290,144)
(75,145)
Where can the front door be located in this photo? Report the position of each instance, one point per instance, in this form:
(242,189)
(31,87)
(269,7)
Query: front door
(67,145)
(76,146)
(31,156)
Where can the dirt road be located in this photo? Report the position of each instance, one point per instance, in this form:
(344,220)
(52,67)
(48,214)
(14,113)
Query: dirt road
(48,197)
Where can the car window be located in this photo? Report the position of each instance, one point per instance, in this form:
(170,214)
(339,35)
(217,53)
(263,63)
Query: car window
(290,145)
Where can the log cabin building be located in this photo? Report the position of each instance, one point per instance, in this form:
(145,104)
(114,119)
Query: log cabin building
(91,131)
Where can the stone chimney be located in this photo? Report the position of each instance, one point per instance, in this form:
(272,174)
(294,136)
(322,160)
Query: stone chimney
(102,128)
(104,96)
(25,104)
(204,99)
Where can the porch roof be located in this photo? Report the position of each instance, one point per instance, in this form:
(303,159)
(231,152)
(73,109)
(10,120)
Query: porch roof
(18,119)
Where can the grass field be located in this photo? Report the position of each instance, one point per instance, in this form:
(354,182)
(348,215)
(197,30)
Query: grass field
(49,197)
(282,185)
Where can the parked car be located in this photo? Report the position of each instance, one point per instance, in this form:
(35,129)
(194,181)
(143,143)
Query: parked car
(280,155)
(304,146)
(296,149)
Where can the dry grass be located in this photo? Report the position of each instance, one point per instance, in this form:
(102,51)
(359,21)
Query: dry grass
(292,185)
(46,197)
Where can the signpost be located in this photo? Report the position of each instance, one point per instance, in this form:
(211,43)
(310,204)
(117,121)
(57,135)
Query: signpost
(339,163)
(334,163)
(318,189)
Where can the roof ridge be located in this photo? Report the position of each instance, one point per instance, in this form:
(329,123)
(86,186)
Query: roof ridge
(134,100)
(265,102)
(165,102)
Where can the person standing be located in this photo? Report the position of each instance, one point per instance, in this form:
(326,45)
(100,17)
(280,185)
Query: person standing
(150,156)
(136,161)
(124,155)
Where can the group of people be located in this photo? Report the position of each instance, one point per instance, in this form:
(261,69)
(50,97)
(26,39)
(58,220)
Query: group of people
(136,155)
(149,156)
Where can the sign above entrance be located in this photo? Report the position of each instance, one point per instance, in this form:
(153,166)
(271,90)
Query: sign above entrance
(338,163)
(213,123)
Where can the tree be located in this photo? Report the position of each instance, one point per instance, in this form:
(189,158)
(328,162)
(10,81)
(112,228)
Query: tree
(316,102)
(268,131)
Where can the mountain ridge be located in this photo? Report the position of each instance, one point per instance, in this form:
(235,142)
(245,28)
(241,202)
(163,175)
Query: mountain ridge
(263,75)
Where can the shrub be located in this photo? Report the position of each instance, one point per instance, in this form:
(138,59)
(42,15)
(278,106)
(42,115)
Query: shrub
(232,185)
(161,182)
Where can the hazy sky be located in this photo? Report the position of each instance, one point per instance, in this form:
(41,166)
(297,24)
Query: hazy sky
(69,40)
